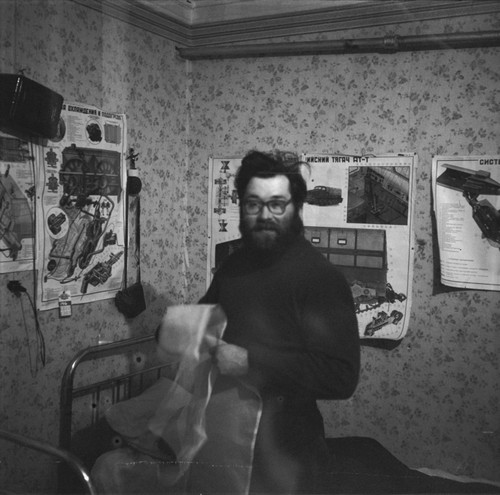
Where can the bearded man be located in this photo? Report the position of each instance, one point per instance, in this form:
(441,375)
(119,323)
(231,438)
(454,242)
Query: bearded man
(291,325)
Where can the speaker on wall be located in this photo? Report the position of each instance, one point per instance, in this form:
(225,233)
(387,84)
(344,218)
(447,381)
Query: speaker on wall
(28,107)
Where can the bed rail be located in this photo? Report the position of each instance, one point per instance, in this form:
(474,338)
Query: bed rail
(70,459)
(125,382)
(69,392)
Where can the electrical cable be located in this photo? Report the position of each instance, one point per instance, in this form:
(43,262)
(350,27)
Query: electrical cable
(17,289)
(30,359)
(39,334)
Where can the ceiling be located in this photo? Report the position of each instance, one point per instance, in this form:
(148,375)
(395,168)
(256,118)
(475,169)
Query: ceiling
(196,12)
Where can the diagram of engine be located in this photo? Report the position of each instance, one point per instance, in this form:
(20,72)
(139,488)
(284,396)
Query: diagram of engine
(80,226)
(472,184)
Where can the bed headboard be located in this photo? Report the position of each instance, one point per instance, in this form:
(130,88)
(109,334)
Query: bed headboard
(98,377)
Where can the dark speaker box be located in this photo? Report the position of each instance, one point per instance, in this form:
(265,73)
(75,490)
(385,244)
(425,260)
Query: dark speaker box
(28,107)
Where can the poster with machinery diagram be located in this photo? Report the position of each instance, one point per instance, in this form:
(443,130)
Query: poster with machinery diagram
(17,190)
(358,214)
(467,208)
(81,200)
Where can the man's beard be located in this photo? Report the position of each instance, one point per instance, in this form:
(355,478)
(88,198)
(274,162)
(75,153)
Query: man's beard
(268,237)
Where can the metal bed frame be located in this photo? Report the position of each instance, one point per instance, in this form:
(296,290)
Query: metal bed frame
(69,459)
(128,384)
(117,388)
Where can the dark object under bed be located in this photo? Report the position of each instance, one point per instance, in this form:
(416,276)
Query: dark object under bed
(358,465)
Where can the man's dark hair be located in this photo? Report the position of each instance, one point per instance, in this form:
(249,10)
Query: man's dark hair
(271,164)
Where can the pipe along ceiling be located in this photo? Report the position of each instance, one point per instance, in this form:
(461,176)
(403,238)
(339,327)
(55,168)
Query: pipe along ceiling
(387,44)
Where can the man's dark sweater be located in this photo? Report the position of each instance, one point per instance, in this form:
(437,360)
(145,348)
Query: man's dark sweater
(294,313)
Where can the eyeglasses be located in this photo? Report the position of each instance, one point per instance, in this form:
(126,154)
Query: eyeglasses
(275,206)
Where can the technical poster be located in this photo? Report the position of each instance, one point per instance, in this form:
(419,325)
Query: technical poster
(467,208)
(17,190)
(358,214)
(81,207)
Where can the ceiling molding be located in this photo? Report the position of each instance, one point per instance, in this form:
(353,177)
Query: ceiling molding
(136,15)
(195,12)
(335,19)
(253,29)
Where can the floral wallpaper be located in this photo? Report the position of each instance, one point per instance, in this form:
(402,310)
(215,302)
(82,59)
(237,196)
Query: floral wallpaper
(91,58)
(434,400)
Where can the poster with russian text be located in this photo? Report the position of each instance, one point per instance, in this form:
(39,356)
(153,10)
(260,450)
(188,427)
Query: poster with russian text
(358,214)
(17,191)
(466,191)
(81,207)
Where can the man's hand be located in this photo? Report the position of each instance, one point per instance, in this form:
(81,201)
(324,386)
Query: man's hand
(231,359)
